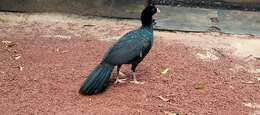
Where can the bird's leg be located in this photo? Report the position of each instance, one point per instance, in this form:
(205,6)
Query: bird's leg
(118,73)
(135,80)
(134,76)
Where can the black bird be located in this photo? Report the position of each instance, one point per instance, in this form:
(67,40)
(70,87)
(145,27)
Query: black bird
(129,49)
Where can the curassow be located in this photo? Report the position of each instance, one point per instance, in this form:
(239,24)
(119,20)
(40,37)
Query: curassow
(129,49)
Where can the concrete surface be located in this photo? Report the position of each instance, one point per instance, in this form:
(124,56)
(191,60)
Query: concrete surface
(185,19)
(238,22)
(200,19)
(248,5)
(111,8)
(171,17)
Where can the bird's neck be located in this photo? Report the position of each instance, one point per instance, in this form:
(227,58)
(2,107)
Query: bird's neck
(148,27)
(147,21)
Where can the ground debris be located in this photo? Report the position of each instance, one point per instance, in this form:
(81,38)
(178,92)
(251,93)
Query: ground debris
(219,52)
(164,71)
(19,67)
(209,54)
(252,105)
(257,58)
(62,37)
(258,78)
(170,113)
(17,57)
(199,86)
(8,43)
(89,25)
(248,82)
(162,98)
(61,51)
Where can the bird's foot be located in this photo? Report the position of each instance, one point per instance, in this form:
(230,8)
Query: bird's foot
(137,82)
(122,74)
(120,81)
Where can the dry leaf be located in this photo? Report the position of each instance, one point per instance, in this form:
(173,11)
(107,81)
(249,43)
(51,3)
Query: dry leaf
(88,25)
(20,68)
(164,71)
(257,58)
(61,51)
(6,42)
(11,45)
(17,57)
(252,105)
(199,86)
(248,82)
(162,98)
(258,78)
(65,51)
(57,50)
(170,113)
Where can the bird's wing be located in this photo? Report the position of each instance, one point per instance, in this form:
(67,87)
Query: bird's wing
(126,50)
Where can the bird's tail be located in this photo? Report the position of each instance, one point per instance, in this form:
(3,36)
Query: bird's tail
(98,79)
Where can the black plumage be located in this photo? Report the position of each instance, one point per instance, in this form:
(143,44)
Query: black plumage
(130,49)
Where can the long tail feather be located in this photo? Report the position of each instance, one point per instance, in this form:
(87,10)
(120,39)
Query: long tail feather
(98,79)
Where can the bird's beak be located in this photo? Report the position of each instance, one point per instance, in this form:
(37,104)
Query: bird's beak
(158,10)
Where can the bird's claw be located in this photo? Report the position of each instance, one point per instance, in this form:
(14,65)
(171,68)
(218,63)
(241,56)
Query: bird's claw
(137,82)
(120,81)
(122,74)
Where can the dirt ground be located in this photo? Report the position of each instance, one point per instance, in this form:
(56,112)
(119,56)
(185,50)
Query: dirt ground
(45,57)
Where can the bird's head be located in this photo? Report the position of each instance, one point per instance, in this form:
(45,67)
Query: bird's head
(147,14)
